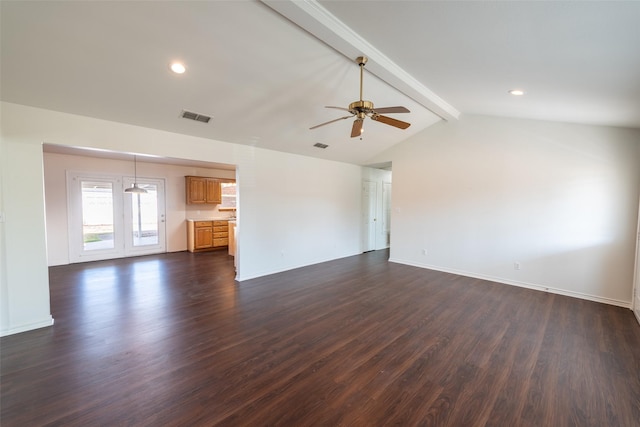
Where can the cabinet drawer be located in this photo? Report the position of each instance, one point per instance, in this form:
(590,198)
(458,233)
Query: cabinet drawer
(202,223)
(217,229)
(220,235)
(220,242)
(220,223)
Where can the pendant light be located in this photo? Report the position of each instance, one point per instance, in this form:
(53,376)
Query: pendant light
(134,189)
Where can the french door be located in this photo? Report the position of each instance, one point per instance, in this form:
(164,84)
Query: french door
(105,222)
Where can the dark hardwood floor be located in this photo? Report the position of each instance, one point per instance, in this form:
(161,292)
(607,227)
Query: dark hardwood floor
(172,340)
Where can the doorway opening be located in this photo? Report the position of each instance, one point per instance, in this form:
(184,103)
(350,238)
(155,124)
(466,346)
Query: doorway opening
(376,208)
(89,217)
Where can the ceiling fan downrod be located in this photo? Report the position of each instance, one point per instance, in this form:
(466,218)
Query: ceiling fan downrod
(361,61)
(361,108)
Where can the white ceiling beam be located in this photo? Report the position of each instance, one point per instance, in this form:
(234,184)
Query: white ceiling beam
(318,21)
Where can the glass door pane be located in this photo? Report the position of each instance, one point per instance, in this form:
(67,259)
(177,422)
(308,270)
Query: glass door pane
(144,216)
(97,215)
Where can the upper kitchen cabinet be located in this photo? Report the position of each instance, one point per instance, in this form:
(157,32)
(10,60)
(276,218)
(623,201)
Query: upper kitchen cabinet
(203,190)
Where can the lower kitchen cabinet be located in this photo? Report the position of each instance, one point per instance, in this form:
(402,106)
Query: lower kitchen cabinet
(220,234)
(207,235)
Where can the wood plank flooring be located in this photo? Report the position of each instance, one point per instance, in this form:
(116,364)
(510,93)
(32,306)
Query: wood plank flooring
(172,340)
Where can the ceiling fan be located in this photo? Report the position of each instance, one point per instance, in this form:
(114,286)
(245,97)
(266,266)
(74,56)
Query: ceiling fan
(361,109)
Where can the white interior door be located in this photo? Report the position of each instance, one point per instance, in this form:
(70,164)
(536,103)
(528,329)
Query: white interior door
(369,197)
(105,223)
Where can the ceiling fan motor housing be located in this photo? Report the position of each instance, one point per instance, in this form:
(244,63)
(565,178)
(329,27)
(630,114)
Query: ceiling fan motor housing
(361,107)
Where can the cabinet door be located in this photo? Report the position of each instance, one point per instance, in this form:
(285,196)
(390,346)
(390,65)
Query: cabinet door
(203,237)
(214,193)
(196,190)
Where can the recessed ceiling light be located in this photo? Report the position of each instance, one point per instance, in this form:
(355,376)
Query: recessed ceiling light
(516,92)
(178,68)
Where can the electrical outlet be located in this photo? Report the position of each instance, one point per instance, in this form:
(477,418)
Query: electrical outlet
(1,216)
(424,252)
(516,266)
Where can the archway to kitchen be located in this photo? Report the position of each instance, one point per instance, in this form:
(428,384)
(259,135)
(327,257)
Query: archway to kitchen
(80,181)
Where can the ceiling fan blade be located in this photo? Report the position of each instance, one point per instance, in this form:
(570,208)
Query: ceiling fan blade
(389,121)
(387,110)
(337,108)
(330,121)
(356,130)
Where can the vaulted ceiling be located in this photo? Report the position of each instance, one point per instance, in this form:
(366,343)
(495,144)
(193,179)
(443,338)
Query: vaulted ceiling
(264,70)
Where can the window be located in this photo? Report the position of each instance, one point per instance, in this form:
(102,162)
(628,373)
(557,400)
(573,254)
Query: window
(228,196)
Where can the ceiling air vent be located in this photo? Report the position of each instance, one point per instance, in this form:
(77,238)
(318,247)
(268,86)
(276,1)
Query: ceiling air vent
(320,145)
(195,116)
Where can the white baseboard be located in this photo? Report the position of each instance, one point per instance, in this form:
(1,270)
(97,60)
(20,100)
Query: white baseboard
(287,268)
(543,288)
(27,327)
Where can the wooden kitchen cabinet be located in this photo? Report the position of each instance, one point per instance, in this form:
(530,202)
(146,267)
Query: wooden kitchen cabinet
(207,235)
(203,235)
(220,234)
(199,235)
(203,190)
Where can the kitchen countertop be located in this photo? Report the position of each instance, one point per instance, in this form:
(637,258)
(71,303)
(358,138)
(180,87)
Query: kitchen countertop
(211,219)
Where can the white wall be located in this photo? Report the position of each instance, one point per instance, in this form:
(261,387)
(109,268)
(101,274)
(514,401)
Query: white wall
(293,210)
(300,209)
(484,193)
(177,211)
(24,287)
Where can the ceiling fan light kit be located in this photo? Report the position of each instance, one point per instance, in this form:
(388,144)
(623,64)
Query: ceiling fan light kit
(362,109)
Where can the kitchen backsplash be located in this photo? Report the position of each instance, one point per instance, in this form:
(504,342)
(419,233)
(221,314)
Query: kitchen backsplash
(208,212)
